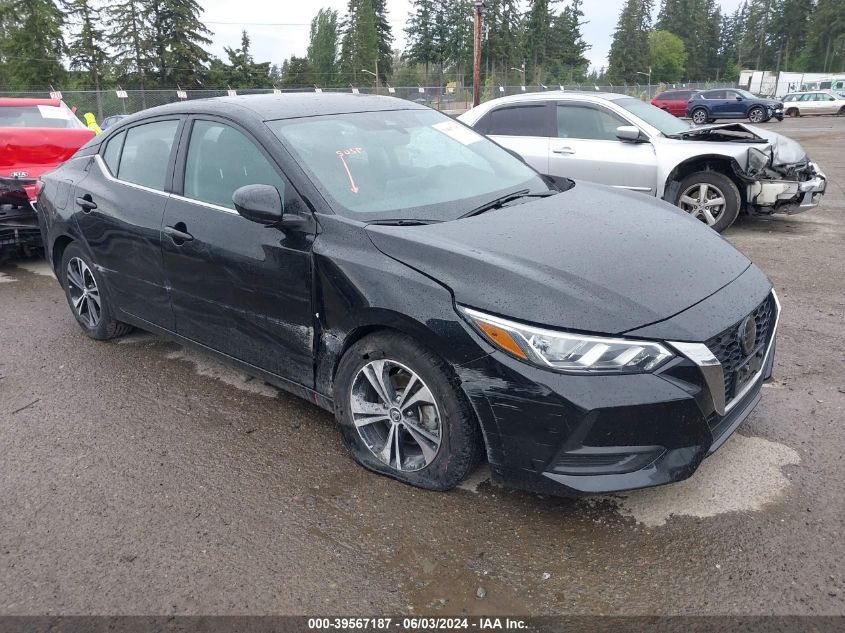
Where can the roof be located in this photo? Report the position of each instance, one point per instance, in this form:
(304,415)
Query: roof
(18,101)
(558,94)
(268,107)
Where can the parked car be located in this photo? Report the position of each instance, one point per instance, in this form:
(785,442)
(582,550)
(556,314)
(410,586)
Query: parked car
(436,293)
(711,172)
(111,120)
(674,101)
(710,105)
(816,102)
(36,135)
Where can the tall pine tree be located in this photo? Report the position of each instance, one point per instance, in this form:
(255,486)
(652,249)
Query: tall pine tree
(86,49)
(359,48)
(129,39)
(33,45)
(629,50)
(323,47)
(178,40)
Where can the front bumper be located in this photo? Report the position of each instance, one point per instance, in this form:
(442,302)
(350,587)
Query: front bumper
(788,196)
(572,435)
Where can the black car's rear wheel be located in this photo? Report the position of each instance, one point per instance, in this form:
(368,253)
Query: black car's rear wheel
(401,415)
(757,115)
(87,296)
(711,197)
(699,116)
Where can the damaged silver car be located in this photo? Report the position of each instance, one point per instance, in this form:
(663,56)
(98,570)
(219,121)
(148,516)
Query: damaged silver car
(713,172)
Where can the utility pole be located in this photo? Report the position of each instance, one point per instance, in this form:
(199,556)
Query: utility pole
(480,7)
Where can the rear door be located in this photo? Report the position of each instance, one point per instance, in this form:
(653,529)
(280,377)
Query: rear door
(239,287)
(586,148)
(119,209)
(522,127)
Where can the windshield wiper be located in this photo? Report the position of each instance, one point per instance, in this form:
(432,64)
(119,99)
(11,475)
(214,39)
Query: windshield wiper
(403,222)
(497,203)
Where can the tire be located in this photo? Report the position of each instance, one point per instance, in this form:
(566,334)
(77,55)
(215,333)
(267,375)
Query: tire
(793,113)
(96,321)
(757,115)
(717,185)
(448,418)
(699,116)
(842,111)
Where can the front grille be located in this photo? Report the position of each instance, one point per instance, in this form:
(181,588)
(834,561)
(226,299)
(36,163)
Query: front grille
(739,368)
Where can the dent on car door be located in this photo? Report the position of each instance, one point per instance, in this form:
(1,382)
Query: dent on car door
(587,148)
(238,287)
(119,209)
(524,128)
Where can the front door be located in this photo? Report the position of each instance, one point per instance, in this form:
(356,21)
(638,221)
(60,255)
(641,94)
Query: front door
(238,287)
(586,148)
(522,128)
(120,205)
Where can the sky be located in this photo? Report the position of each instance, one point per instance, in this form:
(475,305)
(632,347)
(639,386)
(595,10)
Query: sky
(280,29)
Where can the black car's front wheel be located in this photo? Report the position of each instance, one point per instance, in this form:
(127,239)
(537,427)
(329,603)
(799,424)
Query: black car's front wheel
(87,296)
(711,197)
(400,413)
(756,115)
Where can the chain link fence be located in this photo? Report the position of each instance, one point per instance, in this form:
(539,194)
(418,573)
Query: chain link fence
(106,103)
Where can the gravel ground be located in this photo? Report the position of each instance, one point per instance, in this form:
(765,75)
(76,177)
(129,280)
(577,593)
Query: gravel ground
(137,477)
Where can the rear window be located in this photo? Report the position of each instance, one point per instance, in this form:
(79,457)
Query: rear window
(146,154)
(40,116)
(520,120)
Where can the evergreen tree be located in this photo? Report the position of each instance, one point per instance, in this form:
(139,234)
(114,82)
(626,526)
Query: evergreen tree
(359,48)
(33,45)
(698,23)
(538,23)
(825,48)
(86,49)
(789,30)
(242,71)
(420,32)
(629,50)
(384,37)
(566,47)
(502,47)
(322,49)
(296,73)
(129,39)
(178,37)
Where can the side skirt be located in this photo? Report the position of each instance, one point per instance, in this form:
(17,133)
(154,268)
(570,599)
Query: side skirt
(277,381)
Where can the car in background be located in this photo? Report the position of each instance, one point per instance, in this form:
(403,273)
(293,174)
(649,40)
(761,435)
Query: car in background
(712,172)
(732,103)
(36,135)
(111,120)
(814,102)
(674,101)
(433,291)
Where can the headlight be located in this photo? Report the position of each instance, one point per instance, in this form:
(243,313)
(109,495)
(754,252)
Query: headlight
(757,161)
(568,352)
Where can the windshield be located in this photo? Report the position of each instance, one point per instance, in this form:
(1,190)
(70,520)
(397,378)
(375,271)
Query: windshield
(668,124)
(38,116)
(402,164)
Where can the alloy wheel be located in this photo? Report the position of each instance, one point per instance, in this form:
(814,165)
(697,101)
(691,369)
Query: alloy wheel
(756,115)
(396,415)
(699,117)
(84,294)
(703,201)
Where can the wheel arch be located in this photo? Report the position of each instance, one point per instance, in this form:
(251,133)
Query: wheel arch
(57,251)
(707,162)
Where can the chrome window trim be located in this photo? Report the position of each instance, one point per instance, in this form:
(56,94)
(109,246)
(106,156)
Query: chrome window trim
(105,171)
(209,205)
(714,375)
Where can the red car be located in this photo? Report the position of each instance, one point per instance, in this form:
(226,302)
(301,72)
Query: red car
(36,136)
(674,101)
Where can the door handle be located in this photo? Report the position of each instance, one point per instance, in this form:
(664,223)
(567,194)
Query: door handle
(563,150)
(178,233)
(86,203)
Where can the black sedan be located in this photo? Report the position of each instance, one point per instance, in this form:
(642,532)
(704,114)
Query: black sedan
(439,296)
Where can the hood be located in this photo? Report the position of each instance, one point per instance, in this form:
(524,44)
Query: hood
(35,151)
(784,150)
(593,259)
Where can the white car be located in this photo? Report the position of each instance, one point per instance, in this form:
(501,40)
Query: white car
(713,171)
(814,102)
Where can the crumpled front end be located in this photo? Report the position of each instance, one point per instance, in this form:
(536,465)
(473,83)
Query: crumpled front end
(19,232)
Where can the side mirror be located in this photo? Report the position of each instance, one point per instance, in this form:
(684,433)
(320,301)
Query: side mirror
(739,97)
(263,204)
(629,133)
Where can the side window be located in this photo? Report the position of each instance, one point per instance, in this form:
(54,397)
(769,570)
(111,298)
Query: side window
(222,159)
(806,97)
(789,98)
(111,155)
(146,154)
(522,120)
(716,94)
(574,121)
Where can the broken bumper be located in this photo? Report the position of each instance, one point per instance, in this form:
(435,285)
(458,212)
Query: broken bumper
(788,196)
